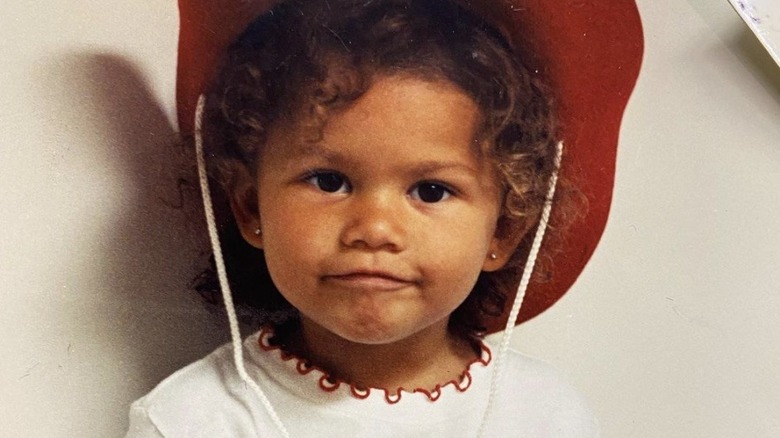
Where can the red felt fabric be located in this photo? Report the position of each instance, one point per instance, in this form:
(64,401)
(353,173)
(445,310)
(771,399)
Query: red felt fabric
(590,50)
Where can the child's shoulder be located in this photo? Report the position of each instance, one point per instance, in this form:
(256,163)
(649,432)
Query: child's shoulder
(194,401)
(537,393)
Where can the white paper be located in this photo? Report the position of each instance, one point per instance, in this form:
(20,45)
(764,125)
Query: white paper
(763,18)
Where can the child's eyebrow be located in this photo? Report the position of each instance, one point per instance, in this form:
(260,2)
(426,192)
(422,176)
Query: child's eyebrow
(420,168)
(318,150)
(432,166)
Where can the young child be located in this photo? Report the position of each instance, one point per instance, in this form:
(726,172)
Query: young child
(390,166)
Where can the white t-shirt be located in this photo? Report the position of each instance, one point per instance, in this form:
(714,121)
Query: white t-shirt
(208,399)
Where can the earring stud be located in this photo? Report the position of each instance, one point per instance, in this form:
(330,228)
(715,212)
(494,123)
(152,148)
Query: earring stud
(257,231)
(493,256)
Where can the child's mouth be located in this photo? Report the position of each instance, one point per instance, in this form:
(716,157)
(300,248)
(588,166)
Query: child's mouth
(366,280)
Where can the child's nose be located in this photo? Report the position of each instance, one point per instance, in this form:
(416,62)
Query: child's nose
(375,222)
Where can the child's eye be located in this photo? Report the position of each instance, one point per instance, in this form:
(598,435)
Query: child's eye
(331,182)
(430,192)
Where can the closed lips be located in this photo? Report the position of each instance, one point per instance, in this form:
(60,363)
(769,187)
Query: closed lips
(369,280)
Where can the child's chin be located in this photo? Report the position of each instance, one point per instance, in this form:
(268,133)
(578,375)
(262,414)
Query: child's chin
(375,334)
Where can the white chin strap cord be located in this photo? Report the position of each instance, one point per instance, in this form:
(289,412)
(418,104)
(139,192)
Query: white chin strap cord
(235,334)
(498,366)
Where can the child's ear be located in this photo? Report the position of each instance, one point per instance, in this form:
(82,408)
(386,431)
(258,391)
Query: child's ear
(243,203)
(509,233)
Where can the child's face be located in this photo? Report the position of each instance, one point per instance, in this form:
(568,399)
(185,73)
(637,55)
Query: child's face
(378,231)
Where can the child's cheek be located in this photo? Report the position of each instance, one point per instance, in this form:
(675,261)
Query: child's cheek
(291,240)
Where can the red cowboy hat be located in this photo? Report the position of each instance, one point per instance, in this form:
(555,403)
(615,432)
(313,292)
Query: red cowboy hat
(590,52)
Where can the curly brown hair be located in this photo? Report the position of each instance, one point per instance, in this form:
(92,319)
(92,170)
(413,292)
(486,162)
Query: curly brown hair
(305,59)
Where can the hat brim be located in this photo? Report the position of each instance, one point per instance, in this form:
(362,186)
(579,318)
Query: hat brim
(589,51)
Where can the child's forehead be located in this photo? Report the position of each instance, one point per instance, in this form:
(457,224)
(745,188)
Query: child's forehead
(394,108)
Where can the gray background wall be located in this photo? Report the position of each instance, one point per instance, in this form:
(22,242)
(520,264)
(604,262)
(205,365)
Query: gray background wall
(670,332)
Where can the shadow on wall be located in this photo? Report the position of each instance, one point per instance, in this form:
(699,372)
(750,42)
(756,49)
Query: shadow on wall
(142,242)
(725,23)
(756,59)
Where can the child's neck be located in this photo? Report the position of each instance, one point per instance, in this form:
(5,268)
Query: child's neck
(428,358)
